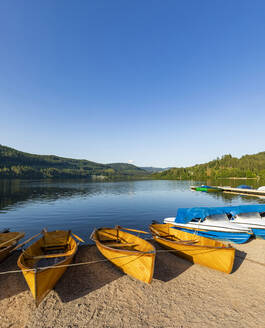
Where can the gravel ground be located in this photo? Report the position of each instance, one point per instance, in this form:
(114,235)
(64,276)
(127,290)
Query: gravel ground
(181,295)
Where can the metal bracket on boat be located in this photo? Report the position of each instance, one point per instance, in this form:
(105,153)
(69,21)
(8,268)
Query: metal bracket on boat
(92,234)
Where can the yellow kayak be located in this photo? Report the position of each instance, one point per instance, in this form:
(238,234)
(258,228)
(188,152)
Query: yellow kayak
(197,249)
(44,262)
(133,255)
(8,241)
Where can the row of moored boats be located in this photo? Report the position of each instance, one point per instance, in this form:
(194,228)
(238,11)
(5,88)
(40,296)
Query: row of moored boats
(230,223)
(192,234)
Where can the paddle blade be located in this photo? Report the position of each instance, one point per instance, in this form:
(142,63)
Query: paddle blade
(80,239)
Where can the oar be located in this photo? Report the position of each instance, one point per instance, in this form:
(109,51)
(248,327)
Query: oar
(48,256)
(80,239)
(140,231)
(13,239)
(26,241)
(120,245)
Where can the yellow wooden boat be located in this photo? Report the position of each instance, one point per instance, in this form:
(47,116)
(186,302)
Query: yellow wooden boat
(8,242)
(44,262)
(132,254)
(201,250)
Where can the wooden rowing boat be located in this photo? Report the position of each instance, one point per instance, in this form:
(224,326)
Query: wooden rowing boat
(132,254)
(44,262)
(8,241)
(201,250)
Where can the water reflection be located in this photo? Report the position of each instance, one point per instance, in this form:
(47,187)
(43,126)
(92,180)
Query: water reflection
(81,205)
(228,197)
(14,192)
(20,191)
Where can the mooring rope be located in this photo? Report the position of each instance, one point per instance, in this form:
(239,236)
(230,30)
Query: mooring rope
(105,260)
(70,265)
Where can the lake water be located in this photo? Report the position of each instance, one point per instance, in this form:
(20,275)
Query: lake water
(81,206)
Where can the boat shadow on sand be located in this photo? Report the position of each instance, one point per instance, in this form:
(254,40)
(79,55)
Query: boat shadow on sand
(76,282)
(168,266)
(239,259)
(11,284)
(79,281)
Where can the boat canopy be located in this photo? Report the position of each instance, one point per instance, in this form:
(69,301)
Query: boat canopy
(185,215)
(244,187)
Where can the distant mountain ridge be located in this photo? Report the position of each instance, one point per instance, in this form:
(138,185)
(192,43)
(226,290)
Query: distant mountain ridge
(153,169)
(18,164)
(247,166)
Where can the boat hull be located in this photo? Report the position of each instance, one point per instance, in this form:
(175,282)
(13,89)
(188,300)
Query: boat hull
(253,221)
(203,251)
(211,225)
(41,279)
(208,189)
(259,233)
(235,237)
(137,262)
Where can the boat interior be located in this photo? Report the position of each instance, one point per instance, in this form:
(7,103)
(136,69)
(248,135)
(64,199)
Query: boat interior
(168,231)
(218,217)
(250,215)
(51,249)
(116,238)
(163,230)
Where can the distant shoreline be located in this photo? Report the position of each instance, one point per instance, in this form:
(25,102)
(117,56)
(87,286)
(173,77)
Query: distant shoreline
(237,178)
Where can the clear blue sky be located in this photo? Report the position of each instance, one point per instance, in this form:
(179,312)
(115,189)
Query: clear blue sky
(162,83)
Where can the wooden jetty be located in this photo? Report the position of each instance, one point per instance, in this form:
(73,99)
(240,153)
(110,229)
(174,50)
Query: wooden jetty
(253,192)
(242,191)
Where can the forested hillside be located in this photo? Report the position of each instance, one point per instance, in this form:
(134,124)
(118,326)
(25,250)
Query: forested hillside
(152,169)
(17,164)
(248,166)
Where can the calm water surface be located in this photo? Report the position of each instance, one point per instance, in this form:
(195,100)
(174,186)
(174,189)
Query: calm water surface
(81,206)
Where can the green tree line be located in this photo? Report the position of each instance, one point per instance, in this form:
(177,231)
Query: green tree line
(248,166)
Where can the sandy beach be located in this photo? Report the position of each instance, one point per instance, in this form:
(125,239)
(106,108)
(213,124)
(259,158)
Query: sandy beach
(180,295)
